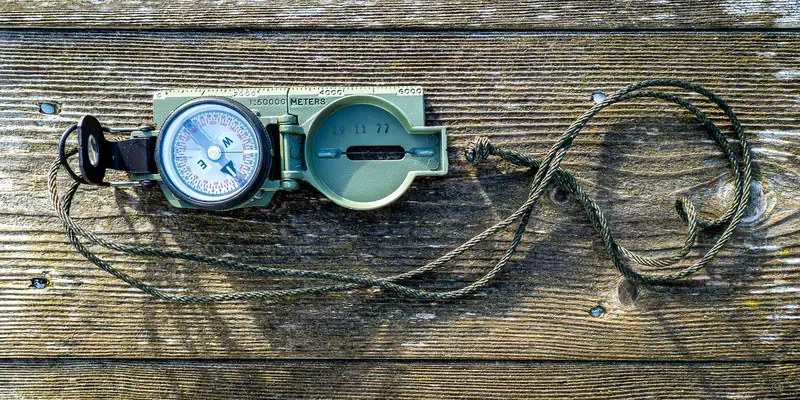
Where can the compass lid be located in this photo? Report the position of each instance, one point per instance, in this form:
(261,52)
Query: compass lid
(363,152)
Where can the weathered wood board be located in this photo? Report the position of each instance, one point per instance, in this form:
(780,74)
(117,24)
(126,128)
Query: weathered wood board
(419,14)
(127,380)
(522,90)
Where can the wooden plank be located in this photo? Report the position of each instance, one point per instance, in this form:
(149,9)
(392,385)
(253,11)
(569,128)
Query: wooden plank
(426,14)
(126,380)
(522,90)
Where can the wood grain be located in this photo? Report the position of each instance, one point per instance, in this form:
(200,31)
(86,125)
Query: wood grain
(382,14)
(127,380)
(522,90)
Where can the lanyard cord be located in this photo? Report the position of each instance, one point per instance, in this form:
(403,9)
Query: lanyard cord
(547,172)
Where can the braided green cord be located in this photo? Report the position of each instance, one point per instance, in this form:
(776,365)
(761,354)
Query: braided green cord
(547,171)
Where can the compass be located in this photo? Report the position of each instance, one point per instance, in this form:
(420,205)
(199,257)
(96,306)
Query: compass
(220,149)
(213,153)
(361,147)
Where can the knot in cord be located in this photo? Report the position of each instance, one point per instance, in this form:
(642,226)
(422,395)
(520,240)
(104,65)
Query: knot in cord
(479,150)
(547,171)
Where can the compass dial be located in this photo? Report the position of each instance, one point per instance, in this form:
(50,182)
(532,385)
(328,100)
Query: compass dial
(213,153)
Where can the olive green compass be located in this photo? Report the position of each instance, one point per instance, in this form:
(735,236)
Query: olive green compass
(219,149)
(362,148)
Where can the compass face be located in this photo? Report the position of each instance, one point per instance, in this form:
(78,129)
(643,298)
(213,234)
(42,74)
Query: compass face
(213,153)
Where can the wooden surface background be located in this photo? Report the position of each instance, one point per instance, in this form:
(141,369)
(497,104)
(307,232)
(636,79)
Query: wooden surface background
(519,72)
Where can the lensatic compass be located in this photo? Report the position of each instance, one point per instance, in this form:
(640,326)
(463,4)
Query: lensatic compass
(230,148)
(362,148)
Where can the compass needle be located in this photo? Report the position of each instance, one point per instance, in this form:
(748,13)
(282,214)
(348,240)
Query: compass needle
(198,135)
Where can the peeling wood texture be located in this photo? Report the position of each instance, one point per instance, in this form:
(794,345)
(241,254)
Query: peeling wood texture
(382,14)
(392,380)
(522,90)
(733,329)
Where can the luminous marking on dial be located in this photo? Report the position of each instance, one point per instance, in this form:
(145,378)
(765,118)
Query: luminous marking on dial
(210,152)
